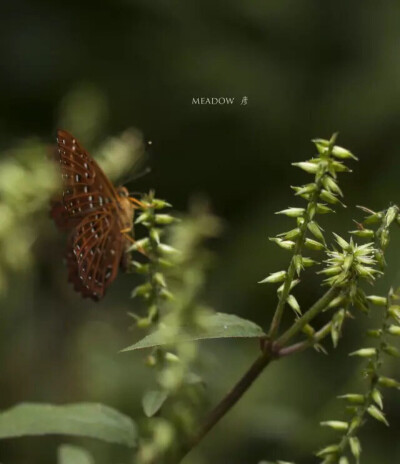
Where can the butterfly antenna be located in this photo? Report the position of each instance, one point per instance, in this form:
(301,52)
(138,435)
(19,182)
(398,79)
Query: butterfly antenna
(136,176)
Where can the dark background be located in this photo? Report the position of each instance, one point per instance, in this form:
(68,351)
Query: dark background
(308,68)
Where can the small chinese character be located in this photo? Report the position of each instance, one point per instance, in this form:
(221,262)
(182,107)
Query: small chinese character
(244,101)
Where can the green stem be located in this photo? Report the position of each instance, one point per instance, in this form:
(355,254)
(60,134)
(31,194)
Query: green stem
(228,401)
(301,346)
(255,370)
(315,309)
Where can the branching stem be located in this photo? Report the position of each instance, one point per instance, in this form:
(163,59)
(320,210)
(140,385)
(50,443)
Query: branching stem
(303,345)
(269,354)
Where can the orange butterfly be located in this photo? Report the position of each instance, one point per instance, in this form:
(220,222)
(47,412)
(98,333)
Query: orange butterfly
(97,215)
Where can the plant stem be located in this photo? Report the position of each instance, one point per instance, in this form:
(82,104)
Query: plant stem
(315,309)
(228,401)
(301,346)
(257,367)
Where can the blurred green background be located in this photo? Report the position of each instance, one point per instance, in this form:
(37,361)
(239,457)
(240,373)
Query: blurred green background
(308,68)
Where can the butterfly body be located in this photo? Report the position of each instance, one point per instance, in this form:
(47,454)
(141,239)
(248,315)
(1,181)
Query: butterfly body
(97,215)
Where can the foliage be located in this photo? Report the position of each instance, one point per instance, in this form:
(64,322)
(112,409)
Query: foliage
(170,261)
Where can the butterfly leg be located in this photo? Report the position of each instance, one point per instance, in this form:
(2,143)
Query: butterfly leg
(137,203)
(125,232)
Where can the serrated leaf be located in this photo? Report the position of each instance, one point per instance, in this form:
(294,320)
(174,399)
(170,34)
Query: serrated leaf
(218,325)
(153,400)
(68,454)
(81,419)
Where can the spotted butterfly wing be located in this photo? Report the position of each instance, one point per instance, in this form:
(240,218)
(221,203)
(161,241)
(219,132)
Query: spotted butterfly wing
(95,213)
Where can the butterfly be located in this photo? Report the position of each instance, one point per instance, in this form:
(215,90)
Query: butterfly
(97,216)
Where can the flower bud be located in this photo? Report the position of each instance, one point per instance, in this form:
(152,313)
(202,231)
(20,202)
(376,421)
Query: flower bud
(394,330)
(374,412)
(342,153)
(155,235)
(292,302)
(167,249)
(274,278)
(355,446)
(332,449)
(305,189)
(331,185)
(292,212)
(391,351)
(313,244)
(363,233)
(353,398)
(364,352)
(391,214)
(315,229)
(323,209)
(394,312)
(373,218)
(377,397)
(374,333)
(329,197)
(164,219)
(291,234)
(336,425)
(377,300)
(337,166)
(160,204)
(311,168)
(308,262)
(160,279)
(388,382)
(141,290)
(285,244)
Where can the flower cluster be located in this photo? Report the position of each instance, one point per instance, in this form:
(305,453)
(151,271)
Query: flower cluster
(172,360)
(321,195)
(369,403)
(154,290)
(344,268)
(352,261)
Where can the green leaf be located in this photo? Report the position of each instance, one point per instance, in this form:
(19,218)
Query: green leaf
(153,400)
(68,454)
(218,325)
(80,419)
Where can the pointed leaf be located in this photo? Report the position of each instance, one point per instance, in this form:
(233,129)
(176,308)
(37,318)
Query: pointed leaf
(68,454)
(218,325)
(153,400)
(80,419)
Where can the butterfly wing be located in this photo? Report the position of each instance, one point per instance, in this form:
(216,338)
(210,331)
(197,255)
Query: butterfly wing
(85,186)
(91,208)
(94,253)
